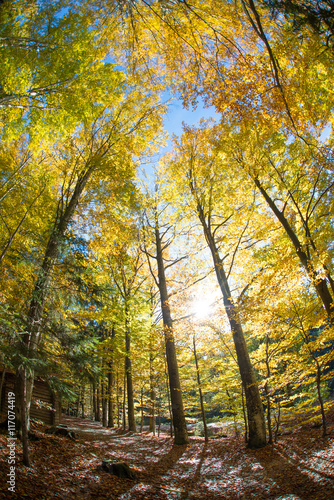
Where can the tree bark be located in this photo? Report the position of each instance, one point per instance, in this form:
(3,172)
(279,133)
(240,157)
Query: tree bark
(124,402)
(244,413)
(110,398)
(83,402)
(30,340)
(94,400)
(152,392)
(255,413)
(104,404)
(111,383)
(266,389)
(179,423)
(206,437)
(98,403)
(128,370)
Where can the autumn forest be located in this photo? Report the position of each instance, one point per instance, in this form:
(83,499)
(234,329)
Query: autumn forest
(162,284)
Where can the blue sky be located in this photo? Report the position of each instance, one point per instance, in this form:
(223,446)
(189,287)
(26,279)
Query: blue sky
(177,114)
(173,124)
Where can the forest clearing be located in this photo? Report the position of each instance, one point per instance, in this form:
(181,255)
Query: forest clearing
(154,274)
(300,466)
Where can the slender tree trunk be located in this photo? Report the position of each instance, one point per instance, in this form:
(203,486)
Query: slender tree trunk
(319,283)
(117,400)
(83,402)
(111,382)
(244,413)
(179,422)
(110,398)
(255,413)
(104,404)
(270,432)
(321,402)
(159,413)
(200,391)
(142,409)
(128,370)
(24,388)
(169,402)
(98,403)
(318,380)
(78,402)
(278,421)
(266,389)
(124,402)
(94,401)
(152,392)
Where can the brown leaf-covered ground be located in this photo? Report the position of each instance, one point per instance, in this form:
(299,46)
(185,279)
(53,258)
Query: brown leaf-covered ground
(300,466)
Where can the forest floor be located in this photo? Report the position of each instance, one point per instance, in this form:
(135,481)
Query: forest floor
(300,466)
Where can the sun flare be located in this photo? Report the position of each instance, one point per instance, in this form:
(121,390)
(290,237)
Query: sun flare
(201,308)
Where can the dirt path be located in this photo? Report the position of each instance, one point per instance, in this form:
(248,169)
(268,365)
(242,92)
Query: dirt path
(298,467)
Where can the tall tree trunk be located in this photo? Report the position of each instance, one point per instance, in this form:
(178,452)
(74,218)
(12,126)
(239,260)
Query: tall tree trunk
(266,390)
(124,402)
(255,413)
(94,400)
(24,387)
(141,409)
(128,370)
(104,404)
(110,398)
(117,399)
(244,413)
(206,438)
(98,402)
(159,413)
(179,422)
(83,402)
(171,431)
(30,340)
(111,382)
(152,391)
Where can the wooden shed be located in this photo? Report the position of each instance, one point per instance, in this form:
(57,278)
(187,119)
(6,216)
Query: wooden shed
(45,405)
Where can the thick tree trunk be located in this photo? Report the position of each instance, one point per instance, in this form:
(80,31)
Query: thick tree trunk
(179,423)
(255,413)
(128,371)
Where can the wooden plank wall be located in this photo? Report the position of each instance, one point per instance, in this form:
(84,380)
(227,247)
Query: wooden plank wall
(42,400)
